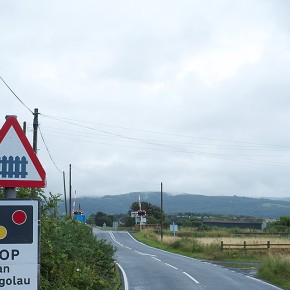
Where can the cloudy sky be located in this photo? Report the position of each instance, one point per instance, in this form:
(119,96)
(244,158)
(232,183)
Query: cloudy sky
(194,94)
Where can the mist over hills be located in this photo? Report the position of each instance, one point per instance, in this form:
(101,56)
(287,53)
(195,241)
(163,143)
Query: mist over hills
(234,205)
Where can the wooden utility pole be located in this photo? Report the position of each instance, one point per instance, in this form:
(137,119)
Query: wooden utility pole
(70,212)
(64,191)
(24,127)
(161,224)
(35,128)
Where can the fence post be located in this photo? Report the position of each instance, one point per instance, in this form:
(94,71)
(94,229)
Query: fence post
(222,245)
(245,245)
(268,245)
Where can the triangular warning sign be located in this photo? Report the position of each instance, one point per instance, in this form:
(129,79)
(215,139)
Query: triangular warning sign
(19,165)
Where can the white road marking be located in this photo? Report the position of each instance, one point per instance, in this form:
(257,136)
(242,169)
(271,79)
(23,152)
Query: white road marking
(126,285)
(171,266)
(263,282)
(190,277)
(114,239)
(160,249)
(143,254)
(152,256)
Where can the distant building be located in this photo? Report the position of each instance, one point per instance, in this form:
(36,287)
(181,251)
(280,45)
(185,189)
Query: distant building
(255,224)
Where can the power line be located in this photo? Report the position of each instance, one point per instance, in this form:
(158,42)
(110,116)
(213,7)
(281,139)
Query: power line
(16,96)
(62,119)
(156,143)
(171,142)
(177,148)
(189,151)
(117,178)
(48,150)
(32,114)
(107,132)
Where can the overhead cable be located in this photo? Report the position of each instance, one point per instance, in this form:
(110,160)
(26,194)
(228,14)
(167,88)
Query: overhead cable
(115,177)
(63,119)
(187,151)
(16,96)
(48,150)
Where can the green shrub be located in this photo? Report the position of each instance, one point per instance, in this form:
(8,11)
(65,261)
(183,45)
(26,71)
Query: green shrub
(71,257)
(177,245)
(187,245)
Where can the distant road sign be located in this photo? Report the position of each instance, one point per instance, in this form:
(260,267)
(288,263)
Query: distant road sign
(19,244)
(19,165)
(174,228)
(134,213)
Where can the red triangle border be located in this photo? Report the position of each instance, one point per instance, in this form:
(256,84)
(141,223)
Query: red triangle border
(12,122)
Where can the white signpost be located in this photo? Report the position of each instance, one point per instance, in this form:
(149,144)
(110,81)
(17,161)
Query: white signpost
(174,229)
(19,244)
(19,218)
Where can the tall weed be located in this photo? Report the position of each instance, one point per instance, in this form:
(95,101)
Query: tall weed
(276,269)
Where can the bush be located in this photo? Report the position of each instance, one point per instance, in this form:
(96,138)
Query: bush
(177,245)
(71,257)
(187,245)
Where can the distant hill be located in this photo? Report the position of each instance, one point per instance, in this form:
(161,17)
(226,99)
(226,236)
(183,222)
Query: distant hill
(235,205)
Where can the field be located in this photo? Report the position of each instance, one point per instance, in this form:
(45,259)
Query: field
(232,240)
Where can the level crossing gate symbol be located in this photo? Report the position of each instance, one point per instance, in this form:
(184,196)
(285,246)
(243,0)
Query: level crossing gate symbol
(13,167)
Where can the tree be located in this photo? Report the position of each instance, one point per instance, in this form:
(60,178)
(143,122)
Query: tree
(283,224)
(101,218)
(284,221)
(153,211)
(91,219)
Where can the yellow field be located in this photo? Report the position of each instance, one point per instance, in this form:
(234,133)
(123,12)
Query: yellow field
(233,240)
(240,240)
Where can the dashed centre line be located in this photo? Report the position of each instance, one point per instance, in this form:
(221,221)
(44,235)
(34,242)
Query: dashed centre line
(171,266)
(156,258)
(190,277)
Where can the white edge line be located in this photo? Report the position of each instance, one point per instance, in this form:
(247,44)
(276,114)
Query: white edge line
(190,277)
(263,282)
(126,285)
(161,250)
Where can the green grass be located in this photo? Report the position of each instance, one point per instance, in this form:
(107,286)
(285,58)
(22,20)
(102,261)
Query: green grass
(190,247)
(277,270)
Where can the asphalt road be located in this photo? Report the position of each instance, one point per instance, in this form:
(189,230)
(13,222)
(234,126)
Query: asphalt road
(144,267)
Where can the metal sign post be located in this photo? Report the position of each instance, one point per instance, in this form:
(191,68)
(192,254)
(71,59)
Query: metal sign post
(19,244)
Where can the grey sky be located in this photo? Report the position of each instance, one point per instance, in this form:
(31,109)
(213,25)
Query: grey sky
(132,93)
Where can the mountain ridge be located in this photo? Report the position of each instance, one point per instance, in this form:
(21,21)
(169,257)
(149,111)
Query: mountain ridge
(185,202)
